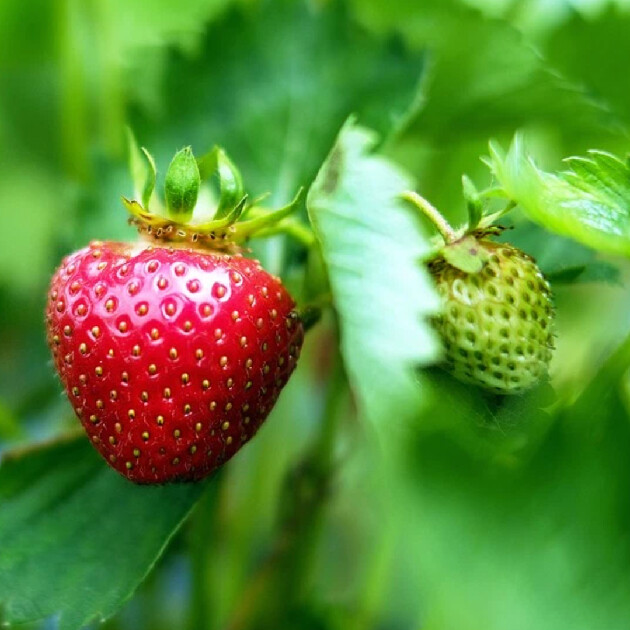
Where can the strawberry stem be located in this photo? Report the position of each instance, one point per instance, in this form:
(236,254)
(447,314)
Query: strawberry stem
(432,213)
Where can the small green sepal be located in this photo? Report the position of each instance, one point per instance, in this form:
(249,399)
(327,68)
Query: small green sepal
(181,185)
(473,202)
(466,254)
(143,171)
(230,179)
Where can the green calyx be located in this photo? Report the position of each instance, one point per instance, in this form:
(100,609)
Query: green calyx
(192,214)
(461,247)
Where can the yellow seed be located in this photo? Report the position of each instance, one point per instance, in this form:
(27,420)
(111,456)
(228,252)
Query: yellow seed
(93,419)
(223,361)
(142,309)
(124,377)
(193,449)
(110,352)
(172,353)
(246,419)
(273,313)
(228,441)
(229,382)
(75,391)
(98,370)
(245,407)
(122,326)
(112,458)
(213,405)
(185,378)
(81,309)
(131,413)
(175,461)
(112,439)
(235,315)
(118,427)
(265,346)
(56,339)
(144,396)
(160,420)
(67,331)
(101,266)
(205,383)
(243,341)
(199,353)
(155,334)
(152,368)
(218,333)
(162,283)
(225,426)
(96,331)
(265,291)
(136,452)
(228,406)
(250,299)
(281,361)
(99,404)
(83,379)
(249,363)
(176,433)
(266,368)
(135,351)
(83,348)
(198,427)
(128,465)
(167,392)
(187,326)
(145,435)
(109,305)
(113,394)
(187,409)
(248,384)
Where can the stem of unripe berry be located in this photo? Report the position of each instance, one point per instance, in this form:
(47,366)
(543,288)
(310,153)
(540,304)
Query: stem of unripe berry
(432,213)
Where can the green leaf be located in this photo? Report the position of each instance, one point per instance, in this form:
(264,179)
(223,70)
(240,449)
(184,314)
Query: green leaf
(77,538)
(589,203)
(372,246)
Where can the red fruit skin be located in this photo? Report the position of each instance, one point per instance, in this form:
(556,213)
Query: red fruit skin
(171,358)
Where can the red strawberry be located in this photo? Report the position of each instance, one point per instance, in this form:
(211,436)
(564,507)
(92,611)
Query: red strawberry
(173,354)
(172,358)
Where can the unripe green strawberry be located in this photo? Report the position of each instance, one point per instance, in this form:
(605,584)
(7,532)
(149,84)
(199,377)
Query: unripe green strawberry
(495,322)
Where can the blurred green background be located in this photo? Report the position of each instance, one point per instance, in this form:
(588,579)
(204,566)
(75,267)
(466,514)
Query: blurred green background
(491,517)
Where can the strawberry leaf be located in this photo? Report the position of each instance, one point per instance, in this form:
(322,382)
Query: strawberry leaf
(372,246)
(77,538)
(589,203)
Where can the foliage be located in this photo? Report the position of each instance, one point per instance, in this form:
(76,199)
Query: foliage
(461,510)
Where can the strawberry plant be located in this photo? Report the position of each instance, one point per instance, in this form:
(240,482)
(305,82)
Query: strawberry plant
(226,403)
